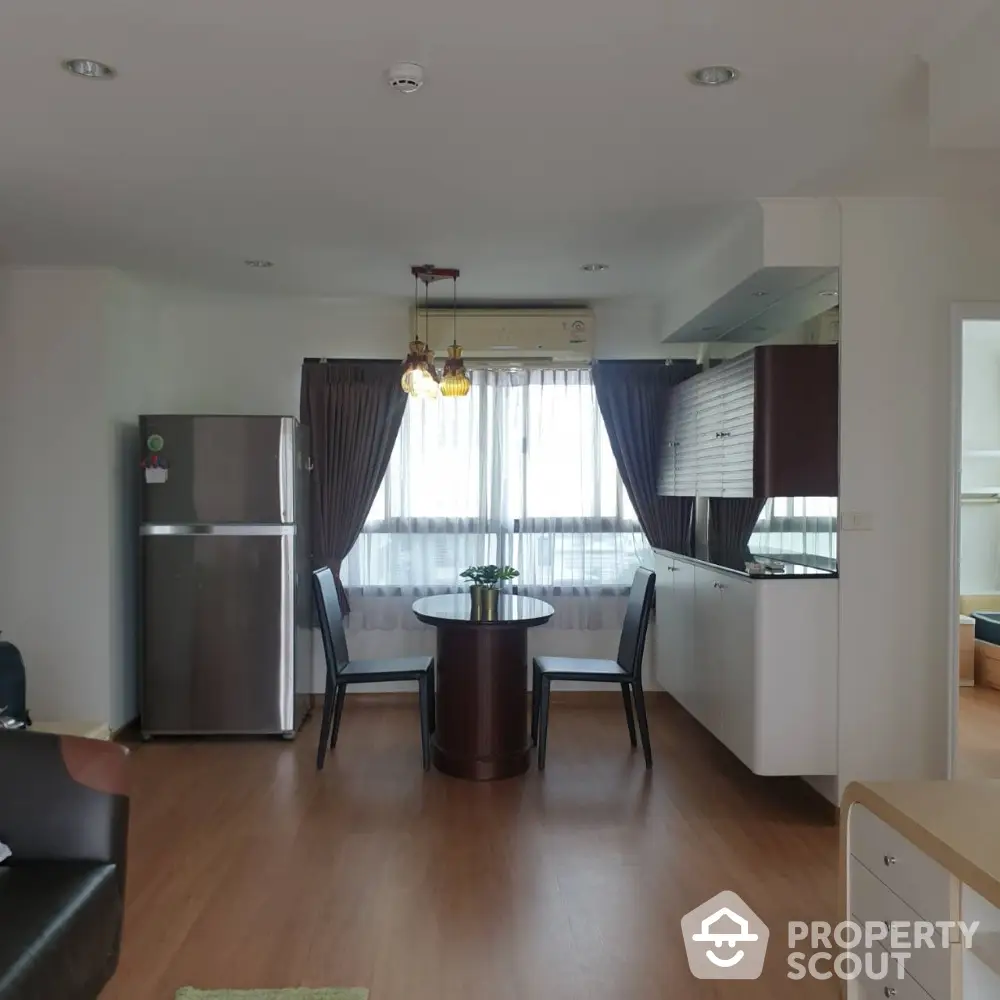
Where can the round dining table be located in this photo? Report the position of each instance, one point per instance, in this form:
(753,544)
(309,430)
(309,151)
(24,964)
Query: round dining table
(481,709)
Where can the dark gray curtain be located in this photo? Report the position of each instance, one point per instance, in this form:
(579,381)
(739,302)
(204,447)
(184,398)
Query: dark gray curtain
(731,522)
(632,396)
(353,410)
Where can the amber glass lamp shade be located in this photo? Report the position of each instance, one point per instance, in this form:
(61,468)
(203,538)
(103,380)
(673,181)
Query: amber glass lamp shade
(455,380)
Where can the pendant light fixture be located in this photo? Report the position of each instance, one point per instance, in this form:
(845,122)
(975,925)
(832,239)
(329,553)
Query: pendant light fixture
(455,381)
(420,377)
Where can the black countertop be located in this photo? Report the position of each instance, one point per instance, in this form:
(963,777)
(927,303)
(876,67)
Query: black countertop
(737,567)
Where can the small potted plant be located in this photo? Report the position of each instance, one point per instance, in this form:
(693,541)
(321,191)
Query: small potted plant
(484,587)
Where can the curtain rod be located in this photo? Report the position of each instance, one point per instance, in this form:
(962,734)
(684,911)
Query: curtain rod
(524,363)
(357,361)
(477,363)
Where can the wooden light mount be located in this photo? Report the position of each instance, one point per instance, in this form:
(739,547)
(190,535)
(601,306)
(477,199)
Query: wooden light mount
(428,273)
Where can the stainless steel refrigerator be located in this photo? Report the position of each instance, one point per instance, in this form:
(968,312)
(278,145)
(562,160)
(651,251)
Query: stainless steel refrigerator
(226,600)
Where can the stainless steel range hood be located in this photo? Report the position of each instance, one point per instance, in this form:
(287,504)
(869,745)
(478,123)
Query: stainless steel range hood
(770,267)
(770,301)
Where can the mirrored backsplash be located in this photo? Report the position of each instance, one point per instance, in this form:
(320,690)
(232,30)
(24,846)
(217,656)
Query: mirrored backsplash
(797,530)
(793,536)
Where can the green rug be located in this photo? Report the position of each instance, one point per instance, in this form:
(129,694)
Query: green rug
(295,993)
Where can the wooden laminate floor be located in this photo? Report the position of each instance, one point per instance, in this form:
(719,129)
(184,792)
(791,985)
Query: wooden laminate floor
(248,869)
(978,744)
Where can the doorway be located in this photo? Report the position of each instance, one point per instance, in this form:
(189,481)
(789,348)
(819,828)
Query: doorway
(975,674)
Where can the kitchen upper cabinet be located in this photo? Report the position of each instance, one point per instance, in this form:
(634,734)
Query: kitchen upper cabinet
(764,424)
(680,449)
(738,389)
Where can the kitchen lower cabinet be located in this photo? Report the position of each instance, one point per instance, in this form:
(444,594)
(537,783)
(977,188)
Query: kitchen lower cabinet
(753,660)
(737,631)
(707,647)
(674,605)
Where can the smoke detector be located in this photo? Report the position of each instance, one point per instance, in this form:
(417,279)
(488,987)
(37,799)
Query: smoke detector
(405,77)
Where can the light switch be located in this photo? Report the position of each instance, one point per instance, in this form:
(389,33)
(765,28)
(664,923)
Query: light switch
(854,520)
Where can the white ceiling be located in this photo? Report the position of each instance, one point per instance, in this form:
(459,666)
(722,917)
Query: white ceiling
(550,133)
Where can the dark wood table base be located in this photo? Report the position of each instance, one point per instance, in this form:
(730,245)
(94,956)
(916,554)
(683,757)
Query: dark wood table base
(482,689)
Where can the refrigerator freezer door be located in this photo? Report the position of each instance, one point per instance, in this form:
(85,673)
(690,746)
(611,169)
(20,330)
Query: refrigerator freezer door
(220,470)
(219,635)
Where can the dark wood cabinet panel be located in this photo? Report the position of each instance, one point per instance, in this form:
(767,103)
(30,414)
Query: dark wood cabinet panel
(764,424)
(796,440)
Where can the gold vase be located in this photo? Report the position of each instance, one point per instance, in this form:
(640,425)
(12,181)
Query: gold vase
(485,601)
(476,593)
(491,600)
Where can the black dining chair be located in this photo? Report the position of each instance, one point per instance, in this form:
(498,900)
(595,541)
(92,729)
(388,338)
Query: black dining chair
(626,670)
(341,671)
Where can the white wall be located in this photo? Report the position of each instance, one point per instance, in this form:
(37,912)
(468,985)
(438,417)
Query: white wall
(82,353)
(979,562)
(963,86)
(904,262)
(55,490)
(126,324)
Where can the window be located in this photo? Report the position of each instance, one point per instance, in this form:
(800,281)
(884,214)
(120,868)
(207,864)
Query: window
(800,529)
(520,471)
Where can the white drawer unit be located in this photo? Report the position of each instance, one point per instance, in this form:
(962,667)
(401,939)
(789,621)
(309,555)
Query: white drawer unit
(872,901)
(925,850)
(918,880)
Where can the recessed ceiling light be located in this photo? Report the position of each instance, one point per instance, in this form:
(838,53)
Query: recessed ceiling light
(259,263)
(760,295)
(713,76)
(90,68)
(594,267)
(828,295)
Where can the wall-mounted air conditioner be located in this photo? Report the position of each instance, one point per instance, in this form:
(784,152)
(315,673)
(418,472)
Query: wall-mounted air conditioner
(557,334)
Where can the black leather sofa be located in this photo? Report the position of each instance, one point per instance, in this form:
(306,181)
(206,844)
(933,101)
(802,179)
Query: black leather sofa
(64,814)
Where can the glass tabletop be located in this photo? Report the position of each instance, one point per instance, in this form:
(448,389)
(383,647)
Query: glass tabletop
(511,610)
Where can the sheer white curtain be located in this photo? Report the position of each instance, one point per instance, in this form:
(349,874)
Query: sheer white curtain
(518,472)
